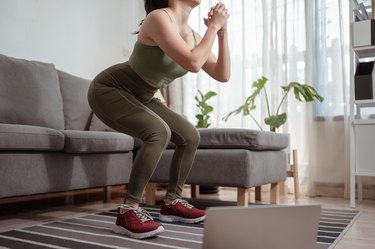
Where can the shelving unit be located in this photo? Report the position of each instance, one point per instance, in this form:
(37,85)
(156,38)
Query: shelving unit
(362,130)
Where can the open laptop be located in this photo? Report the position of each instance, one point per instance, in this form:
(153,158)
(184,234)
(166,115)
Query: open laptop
(261,227)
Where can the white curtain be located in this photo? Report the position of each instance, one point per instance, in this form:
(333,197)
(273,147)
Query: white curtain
(284,40)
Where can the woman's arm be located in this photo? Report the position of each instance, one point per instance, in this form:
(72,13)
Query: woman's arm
(219,68)
(158,28)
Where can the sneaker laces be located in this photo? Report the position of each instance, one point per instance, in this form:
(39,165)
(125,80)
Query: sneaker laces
(142,214)
(183,202)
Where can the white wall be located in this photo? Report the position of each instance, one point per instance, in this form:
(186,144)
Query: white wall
(80,37)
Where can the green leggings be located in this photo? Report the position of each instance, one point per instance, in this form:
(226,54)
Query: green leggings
(124,102)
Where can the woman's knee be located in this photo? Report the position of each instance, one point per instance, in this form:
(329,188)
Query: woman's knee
(160,134)
(190,137)
(194,138)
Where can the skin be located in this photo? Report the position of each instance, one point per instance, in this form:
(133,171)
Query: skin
(176,40)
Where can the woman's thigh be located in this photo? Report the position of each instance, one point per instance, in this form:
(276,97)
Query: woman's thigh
(123,112)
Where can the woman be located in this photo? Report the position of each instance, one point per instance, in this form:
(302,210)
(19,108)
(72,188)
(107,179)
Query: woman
(122,97)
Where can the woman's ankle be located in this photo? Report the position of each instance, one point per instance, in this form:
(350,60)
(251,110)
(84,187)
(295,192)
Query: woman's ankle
(167,201)
(131,203)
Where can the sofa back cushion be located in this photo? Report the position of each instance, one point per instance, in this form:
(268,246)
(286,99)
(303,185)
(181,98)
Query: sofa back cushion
(77,111)
(97,125)
(30,93)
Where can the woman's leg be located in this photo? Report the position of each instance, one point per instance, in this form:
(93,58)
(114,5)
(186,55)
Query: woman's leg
(123,112)
(186,138)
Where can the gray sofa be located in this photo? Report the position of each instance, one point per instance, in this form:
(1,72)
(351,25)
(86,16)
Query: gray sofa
(50,141)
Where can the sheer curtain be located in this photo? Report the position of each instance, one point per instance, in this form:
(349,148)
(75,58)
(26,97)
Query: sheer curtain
(284,40)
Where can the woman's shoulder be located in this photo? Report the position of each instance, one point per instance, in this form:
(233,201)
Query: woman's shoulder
(156,23)
(158,15)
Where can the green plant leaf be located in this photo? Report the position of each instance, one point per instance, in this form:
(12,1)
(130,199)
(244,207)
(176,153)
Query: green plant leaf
(257,86)
(242,108)
(207,110)
(275,121)
(307,92)
(199,116)
(201,94)
(249,105)
(209,95)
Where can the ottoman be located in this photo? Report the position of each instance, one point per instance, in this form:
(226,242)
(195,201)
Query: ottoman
(240,158)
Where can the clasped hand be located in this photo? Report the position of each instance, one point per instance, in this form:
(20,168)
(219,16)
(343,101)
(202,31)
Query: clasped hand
(217,16)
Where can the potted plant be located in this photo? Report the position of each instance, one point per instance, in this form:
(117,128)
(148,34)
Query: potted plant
(204,108)
(302,92)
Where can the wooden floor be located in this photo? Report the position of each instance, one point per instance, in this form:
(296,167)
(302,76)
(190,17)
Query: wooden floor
(27,211)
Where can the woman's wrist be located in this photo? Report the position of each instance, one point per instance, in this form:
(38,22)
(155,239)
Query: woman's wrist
(222,32)
(214,28)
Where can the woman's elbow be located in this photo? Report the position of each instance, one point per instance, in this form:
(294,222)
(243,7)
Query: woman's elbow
(193,67)
(223,78)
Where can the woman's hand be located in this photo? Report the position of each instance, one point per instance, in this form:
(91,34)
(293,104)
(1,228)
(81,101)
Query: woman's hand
(217,17)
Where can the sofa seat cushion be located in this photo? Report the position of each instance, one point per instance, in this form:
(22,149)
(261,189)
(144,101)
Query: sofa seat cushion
(96,141)
(26,137)
(229,138)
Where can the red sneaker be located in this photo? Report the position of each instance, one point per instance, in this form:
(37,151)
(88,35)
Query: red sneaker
(180,210)
(136,223)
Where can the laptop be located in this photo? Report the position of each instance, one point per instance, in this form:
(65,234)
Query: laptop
(261,227)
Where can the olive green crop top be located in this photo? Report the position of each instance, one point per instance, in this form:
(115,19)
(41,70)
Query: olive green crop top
(154,66)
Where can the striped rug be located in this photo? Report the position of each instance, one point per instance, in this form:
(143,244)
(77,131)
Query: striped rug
(94,232)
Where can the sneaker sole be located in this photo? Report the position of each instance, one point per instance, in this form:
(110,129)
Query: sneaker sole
(124,231)
(173,218)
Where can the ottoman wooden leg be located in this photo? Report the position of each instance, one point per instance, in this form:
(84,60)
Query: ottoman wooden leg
(150,196)
(275,193)
(195,193)
(293,172)
(258,193)
(242,197)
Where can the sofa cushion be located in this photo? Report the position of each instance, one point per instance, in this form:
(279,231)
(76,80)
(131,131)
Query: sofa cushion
(30,93)
(97,125)
(26,137)
(77,111)
(96,141)
(227,138)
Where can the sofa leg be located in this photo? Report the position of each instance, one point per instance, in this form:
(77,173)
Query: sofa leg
(195,193)
(275,193)
(150,196)
(107,194)
(258,193)
(243,197)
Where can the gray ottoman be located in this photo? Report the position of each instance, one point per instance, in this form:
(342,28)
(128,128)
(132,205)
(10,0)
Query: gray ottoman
(241,158)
